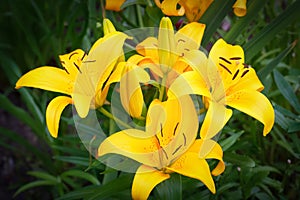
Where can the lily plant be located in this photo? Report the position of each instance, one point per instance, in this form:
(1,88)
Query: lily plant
(224,80)
(168,145)
(80,70)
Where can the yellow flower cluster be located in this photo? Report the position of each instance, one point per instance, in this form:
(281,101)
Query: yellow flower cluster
(172,140)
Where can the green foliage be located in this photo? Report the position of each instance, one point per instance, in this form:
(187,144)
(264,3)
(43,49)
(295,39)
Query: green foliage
(35,32)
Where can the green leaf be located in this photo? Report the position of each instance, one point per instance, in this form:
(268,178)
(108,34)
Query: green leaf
(259,41)
(214,16)
(263,72)
(286,90)
(43,175)
(132,2)
(81,174)
(84,161)
(34,184)
(228,142)
(170,188)
(252,9)
(241,160)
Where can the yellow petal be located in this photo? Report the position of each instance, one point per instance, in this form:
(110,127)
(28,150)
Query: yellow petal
(47,78)
(130,90)
(229,58)
(240,8)
(98,65)
(169,7)
(53,113)
(188,83)
(255,104)
(145,179)
(108,27)
(133,144)
(72,62)
(210,149)
(149,48)
(166,44)
(250,81)
(189,37)
(114,5)
(189,164)
(195,9)
(175,124)
(215,119)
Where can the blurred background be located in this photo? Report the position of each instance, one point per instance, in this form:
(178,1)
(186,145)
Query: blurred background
(35,166)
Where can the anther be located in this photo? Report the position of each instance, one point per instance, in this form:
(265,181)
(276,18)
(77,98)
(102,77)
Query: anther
(181,40)
(72,55)
(225,68)
(244,73)
(176,150)
(161,130)
(77,67)
(235,58)
(225,60)
(184,139)
(236,73)
(175,128)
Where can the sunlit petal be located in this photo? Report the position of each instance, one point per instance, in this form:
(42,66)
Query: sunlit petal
(189,164)
(240,8)
(145,179)
(102,56)
(255,104)
(114,5)
(188,83)
(53,113)
(189,37)
(133,144)
(72,62)
(47,78)
(215,119)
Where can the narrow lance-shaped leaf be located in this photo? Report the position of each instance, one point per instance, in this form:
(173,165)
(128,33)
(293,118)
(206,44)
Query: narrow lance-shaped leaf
(270,31)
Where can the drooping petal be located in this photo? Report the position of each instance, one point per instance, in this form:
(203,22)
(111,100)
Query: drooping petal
(133,144)
(47,78)
(189,37)
(215,119)
(195,9)
(188,83)
(114,5)
(210,149)
(255,104)
(189,164)
(102,56)
(130,90)
(169,7)
(53,113)
(166,44)
(72,62)
(240,8)
(145,179)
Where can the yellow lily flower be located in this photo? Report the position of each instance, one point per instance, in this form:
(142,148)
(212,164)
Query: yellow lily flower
(165,51)
(193,10)
(167,145)
(114,5)
(65,80)
(240,8)
(56,80)
(225,80)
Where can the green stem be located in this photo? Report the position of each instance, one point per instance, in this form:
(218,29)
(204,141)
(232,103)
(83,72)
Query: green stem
(109,115)
(139,15)
(163,87)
